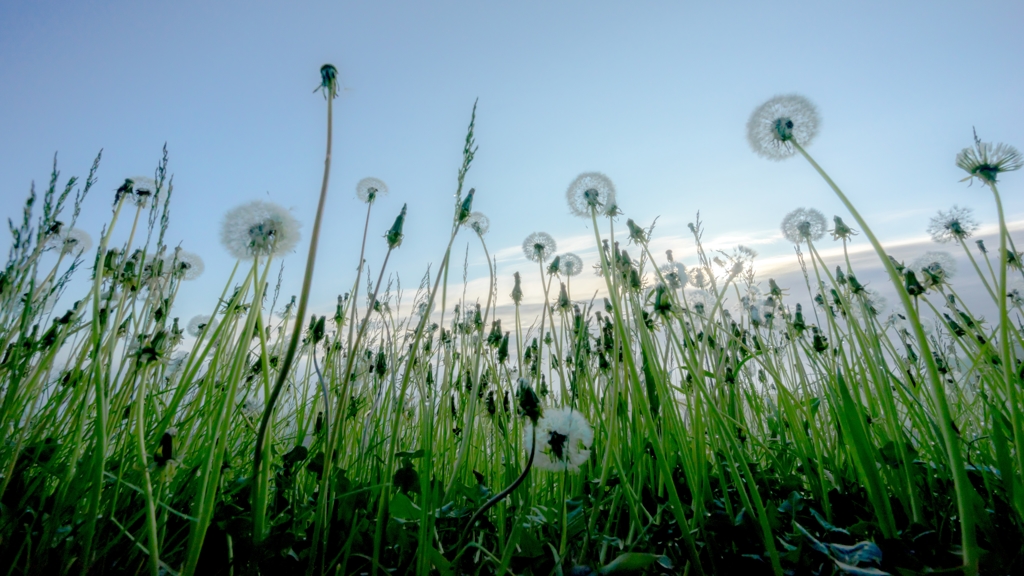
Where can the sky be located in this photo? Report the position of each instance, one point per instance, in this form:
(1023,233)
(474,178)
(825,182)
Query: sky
(654,94)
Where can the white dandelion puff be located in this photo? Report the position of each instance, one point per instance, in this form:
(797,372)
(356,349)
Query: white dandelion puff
(185,265)
(779,122)
(74,241)
(570,264)
(804,224)
(539,246)
(870,301)
(564,438)
(369,189)
(957,224)
(198,323)
(936,267)
(259,229)
(675,274)
(985,161)
(590,191)
(478,222)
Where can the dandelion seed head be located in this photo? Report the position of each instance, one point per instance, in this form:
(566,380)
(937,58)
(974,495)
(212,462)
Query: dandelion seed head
(936,266)
(570,264)
(185,265)
(198,323)
(700,277)
(369,189)
(590,191)
(564,438)
(956,224)
(675,274)
(478,222)
(259,229)
(73,241)
(804,224)
(539,246)
(870,301)
(985,161)
(777,123)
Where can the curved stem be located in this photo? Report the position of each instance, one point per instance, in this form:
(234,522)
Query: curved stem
(300,314)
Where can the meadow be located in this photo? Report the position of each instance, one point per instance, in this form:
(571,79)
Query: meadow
(693,418)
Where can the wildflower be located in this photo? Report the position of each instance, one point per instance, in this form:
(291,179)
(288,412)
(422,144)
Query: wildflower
(564,437)
(478,223)
(73,241)
(538,246)
(368,189)
(778,122)
(803,224)
(199,323)
(142,188)
(675,274)
(936,267)
(955,225)
(570,264)
(700,300)
(259,229)
(590,191)
(985,161)
(185,265)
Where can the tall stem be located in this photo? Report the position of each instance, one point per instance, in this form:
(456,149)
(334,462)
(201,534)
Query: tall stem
(300,315)
(961,484)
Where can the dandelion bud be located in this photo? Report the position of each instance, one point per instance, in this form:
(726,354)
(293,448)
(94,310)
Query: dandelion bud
(563,298)
(319,329)
(981,246)
(774,288)
(517,291)
(553,267)
(636,233)
(329,81)
(896,264)
(503,349)
(339,317)
(529,402)
(840,277)
(394,235)
(841,230)
(914,288)
(467,206)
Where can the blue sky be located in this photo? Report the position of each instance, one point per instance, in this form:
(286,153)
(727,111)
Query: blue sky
(654,94)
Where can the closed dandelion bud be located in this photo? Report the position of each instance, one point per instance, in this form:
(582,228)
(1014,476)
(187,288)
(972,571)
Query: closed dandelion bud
(328,81)
(529,402)
(636,233)
(503,348)
(798,320)
(662,302)
(553,267)
(914,288)
(774,288)
(840,277)
(394,235)
(491,406)
(820,343)
(841,230)
(517,291)
(494,338)
(981,246)
(634,279)
(339,317)
(319,329)
(896,264)
(381,366)
(855,284)
(563,298)
(467,206)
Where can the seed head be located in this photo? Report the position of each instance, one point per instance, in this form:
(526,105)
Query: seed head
(803,224)
(564,438)
(590,191)
(369,189)
(184,265)
(570,264)
(778,122)
(539,246)
(478,223)
(259,229)
(957,224)
(985,161)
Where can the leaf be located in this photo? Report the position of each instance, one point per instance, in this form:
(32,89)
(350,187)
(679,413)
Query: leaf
(632,562)
(417,454)
(825,523)
(439,562)
(402,507)
(858,571)
(857,553)
(812,540)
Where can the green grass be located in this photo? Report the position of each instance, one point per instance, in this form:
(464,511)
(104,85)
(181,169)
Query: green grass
(773,439)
